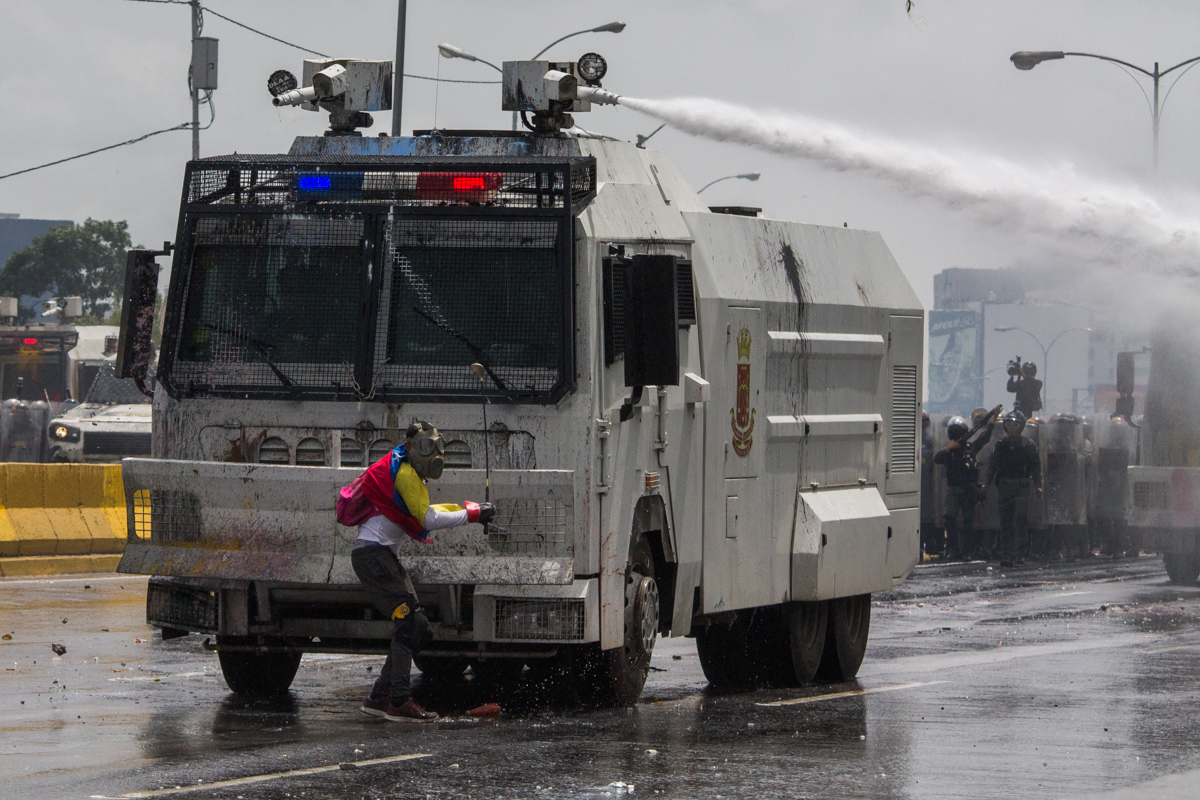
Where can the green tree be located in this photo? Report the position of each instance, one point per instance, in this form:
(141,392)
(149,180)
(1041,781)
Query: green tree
(87,260)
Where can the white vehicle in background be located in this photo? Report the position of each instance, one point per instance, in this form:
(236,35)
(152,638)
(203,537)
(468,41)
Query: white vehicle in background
(113,421)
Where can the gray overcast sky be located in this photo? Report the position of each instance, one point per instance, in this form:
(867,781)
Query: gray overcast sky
(80,74)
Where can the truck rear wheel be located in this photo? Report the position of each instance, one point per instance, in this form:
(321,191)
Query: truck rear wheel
(619,674)
(1182,570)
(258,674)
(726,654)
(846,637)
(807,631)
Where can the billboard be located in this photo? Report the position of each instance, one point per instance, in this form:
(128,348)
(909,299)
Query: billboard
(953,370)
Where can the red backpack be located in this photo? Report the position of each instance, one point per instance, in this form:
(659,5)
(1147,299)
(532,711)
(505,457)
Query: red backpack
(353,507)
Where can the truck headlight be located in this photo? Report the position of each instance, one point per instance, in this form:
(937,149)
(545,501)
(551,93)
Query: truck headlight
(61,432)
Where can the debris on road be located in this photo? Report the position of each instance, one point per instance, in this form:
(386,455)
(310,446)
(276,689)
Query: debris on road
(58,649)
(485,710)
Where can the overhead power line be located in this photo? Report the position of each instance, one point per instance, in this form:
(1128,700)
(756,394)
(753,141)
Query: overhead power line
(206,9)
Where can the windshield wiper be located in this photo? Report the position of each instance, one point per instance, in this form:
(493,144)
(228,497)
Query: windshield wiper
(442,325)
(262,348)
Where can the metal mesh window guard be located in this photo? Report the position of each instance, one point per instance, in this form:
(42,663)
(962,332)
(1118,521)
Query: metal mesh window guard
(485,290)
(271,302)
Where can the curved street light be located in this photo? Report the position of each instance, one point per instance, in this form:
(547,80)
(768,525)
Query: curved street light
(748,176)
(1028,59)
(450,51)
(1045,353)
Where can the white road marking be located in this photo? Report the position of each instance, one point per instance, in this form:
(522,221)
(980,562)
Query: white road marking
(1176,647)
(1068,594)
(122,578)
(161,677)
(852,693)
(250,779)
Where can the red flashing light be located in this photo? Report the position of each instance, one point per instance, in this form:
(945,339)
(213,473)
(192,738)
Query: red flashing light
(31,341)
(457,186)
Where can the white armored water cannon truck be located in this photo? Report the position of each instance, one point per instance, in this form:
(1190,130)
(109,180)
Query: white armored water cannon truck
(700,424)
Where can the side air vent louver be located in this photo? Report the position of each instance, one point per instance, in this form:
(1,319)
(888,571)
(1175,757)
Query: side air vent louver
(352,453)
(902,453)
(310,453)
(686,294)
(379,449)
(273,451)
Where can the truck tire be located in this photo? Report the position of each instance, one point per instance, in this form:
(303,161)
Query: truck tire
(807,626)
(1182,570)
(848,624)
(620,673)
(258,674)
(726,653)
(441,668)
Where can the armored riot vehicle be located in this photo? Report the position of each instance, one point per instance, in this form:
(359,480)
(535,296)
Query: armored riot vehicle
(322,299)
(1164,492)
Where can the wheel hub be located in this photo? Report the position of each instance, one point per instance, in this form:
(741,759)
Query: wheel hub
(647,610)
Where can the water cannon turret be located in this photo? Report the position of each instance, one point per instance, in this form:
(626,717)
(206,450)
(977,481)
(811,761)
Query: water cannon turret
(345,87)
(552,90)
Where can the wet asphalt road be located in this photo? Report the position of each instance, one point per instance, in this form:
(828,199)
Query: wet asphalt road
(1040,681)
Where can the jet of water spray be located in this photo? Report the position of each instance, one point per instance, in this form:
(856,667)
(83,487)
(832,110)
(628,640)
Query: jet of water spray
(1117,231)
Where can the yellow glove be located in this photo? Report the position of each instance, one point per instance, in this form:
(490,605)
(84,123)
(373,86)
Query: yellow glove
(401,611)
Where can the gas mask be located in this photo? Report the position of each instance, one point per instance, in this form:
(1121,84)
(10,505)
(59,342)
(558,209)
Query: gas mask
(426,450)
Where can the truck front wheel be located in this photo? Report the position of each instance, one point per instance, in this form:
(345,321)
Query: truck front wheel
(846,637)
(620,673)
(258,674)
(1182,570)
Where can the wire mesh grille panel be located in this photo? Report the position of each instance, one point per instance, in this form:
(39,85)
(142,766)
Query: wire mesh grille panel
(483,290)
(165,515)
(530,528)
(503,183)
(116,443)
(183,607)
(903,452)
(1151,496)
(525,619)
(271,301)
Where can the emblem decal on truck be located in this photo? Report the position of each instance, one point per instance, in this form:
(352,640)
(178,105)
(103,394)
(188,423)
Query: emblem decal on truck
(741,418)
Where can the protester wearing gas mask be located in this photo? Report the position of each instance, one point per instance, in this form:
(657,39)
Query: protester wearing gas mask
(391,501)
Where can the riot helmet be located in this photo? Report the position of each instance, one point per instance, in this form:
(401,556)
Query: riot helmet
(426,450)
(1029,368)
(1014,419)
(956,428)
(978,415)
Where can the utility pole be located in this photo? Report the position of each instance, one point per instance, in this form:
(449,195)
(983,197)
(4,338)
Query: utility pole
(194,81)
(398,81)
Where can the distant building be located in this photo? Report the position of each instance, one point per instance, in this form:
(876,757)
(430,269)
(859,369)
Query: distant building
(968,357)
(17,234)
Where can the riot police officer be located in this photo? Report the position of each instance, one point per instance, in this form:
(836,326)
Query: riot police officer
(1023,382)
(962,484)
(1013,465)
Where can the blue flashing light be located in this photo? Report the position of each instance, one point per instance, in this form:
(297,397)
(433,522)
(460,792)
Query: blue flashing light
(314,183)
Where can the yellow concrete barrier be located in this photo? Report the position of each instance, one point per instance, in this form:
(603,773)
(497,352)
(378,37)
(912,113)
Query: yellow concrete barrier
(60,518)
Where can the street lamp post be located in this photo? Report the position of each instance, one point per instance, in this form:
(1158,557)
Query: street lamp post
(1028,59)
(1045,353)
(450,51)
(748,176)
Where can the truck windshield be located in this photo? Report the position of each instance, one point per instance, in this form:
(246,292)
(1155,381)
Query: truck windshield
(467,291)
(108,389)
(379,278)
(269,296)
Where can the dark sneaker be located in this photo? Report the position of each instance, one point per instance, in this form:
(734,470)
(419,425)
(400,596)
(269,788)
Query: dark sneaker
(409,712)
(376,708)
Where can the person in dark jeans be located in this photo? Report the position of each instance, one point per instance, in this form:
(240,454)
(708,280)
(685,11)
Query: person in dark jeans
(1014,463)
(395,486)
(962,484)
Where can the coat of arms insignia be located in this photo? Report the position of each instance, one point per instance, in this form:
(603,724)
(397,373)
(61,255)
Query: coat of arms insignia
(742,416)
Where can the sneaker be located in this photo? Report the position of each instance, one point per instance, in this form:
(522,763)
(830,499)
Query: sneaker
(409,712)
(375,708)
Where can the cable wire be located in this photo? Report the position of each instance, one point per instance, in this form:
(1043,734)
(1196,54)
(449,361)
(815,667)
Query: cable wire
(183,127)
